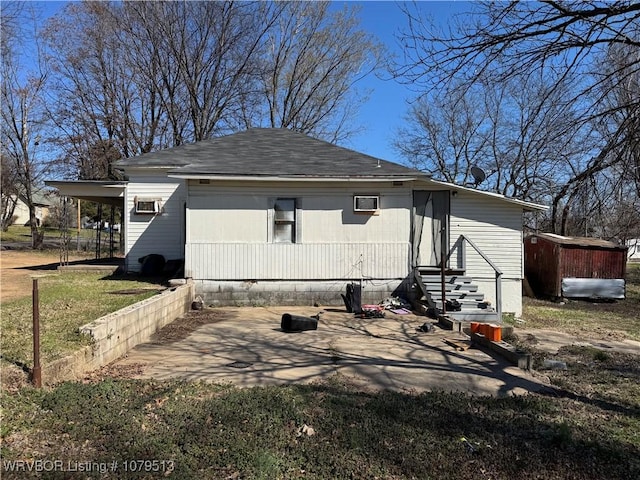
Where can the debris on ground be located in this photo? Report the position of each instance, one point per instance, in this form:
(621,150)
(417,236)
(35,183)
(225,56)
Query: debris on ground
(459,345)
(395,303)
(426,328)
(198,303)
(114,370)
(305,430)
(400,311)
(554,364)
(370,313)
(470,448)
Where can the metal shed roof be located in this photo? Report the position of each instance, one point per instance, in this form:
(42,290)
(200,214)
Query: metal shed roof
(579,241)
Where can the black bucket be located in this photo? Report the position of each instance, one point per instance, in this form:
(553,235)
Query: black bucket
(297,323)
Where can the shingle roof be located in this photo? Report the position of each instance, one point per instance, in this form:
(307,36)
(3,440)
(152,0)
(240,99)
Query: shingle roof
(269,152)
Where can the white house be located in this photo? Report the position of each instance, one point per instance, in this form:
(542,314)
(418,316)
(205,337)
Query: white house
(41,202)
(275,216)
(633,254)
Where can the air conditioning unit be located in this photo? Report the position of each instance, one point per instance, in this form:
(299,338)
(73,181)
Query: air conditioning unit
(149,206)
(366,203)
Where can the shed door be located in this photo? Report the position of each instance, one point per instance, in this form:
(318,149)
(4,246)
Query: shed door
(430,231)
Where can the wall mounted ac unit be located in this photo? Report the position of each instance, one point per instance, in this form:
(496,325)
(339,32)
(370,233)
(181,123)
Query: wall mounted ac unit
(366,203)
(150,206)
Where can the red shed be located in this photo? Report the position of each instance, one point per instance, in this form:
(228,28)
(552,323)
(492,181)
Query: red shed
(574,267)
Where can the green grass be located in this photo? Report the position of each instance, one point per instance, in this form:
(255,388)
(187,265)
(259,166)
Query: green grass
(210,432)
(18,233)
(67,301)
(621,317)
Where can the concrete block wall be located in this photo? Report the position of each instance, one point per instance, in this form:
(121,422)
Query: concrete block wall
(117,333)
(276,292)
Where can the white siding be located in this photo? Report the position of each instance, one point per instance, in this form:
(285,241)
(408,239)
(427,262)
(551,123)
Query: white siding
(325,215)
(496,228)
(277,261)
(162,233)
(227,217)
(229,236)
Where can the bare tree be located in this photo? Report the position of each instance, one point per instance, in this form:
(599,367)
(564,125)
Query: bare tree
(141,76)
(524,146)
(101,100)
(9,194)
(311,60)
(208,55)
(497,43)
(499,40)
(9,26)
(22,110)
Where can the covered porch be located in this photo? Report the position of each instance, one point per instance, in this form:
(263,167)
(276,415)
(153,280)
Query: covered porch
(107,193)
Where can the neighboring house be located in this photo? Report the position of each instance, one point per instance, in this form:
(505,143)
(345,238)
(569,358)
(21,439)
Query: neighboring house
(21,213)
(274,216)
(633,254)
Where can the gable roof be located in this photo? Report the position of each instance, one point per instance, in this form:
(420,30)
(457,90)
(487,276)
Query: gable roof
(268,152)
(40,198)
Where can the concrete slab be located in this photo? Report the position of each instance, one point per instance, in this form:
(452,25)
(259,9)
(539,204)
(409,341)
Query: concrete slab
(249,349)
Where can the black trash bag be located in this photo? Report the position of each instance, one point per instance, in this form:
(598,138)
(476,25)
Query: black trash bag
(353,298)
(152,265)
(297,323)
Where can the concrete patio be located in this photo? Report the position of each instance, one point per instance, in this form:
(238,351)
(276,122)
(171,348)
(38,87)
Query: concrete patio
(248,348)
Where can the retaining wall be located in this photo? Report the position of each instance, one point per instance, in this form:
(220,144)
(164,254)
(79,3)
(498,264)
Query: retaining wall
(118,332)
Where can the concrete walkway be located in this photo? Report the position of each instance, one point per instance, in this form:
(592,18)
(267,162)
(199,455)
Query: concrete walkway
(248,349)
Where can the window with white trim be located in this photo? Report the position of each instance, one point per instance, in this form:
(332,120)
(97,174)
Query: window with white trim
(284,218)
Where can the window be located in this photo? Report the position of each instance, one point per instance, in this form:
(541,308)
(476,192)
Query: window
(147,205)
(368,203)
(284,229)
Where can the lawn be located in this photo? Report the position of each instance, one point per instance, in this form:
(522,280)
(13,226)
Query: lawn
(19,233)
(618,318)
(67,301)
(322,431)
(585,425)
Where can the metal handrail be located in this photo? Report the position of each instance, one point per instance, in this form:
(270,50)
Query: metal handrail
(498,273)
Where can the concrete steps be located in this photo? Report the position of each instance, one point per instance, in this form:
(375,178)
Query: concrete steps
(460,288)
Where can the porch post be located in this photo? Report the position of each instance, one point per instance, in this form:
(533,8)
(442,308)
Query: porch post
(499,295)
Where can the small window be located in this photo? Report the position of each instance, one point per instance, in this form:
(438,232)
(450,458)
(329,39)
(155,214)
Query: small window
(147,205)
(284,229)
(365,203)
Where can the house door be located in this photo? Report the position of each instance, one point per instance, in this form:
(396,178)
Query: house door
(430,227)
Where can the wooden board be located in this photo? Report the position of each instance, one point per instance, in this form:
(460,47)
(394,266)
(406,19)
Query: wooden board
(459,345)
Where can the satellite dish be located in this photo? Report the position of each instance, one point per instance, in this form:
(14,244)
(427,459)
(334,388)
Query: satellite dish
(478,175)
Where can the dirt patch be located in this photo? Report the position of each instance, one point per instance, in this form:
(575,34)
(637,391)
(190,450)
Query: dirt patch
(18,266)
(114,371)
(182,327)
(12,377)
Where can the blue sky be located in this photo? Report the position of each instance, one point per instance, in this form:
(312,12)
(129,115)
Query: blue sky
(383,114)
(385,110)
